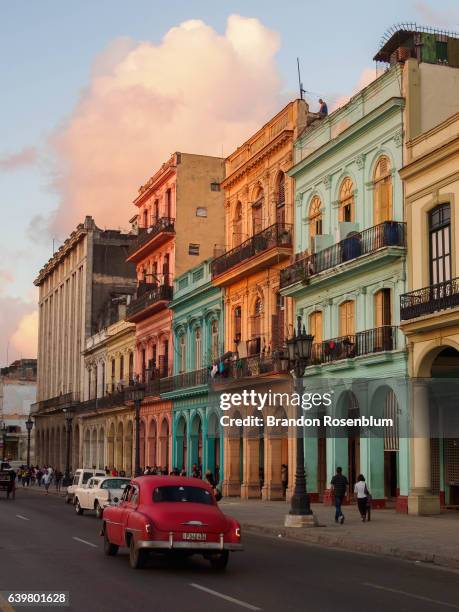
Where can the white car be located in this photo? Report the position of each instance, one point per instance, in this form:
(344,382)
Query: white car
(99,493)
(80,478)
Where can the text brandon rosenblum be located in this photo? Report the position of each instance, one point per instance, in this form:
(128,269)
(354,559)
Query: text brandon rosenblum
(302,421)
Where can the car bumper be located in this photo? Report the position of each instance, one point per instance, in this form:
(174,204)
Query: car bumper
(172,544)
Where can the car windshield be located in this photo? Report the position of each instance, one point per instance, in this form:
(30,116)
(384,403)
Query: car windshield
(115,483)
(194,495)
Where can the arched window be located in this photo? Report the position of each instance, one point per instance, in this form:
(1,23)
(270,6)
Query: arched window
(347,318)
(214,340)
(316,325)
(382,191)
(237,225)
(346,201)
(182,352)
(257,212)
(197,348)
(315,217)
(280,200)
(440,243)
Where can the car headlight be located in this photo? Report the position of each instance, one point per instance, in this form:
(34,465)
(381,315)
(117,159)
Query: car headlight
(237,531)
(149,528)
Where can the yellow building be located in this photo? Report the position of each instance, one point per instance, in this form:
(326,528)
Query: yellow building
(259,212)
(430,311)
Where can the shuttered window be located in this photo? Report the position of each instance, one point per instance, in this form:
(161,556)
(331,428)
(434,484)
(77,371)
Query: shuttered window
(315,326)
(382,308)
(347,318)
(382,191)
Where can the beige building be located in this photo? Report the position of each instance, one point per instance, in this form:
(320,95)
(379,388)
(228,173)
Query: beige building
(74,286)
(430,309)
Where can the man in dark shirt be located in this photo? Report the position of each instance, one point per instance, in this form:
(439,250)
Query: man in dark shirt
(323,110)
(339,486)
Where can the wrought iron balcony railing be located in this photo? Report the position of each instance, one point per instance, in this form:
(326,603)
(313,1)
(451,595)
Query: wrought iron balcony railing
(163,224)
(277,235)
(65,400)
(151,295)
(374,340)
(185,380)
(428,300)
(389,233)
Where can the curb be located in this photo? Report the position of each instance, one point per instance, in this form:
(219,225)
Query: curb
(310,536)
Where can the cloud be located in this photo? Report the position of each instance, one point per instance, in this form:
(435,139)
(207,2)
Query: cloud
(196,91)
(24,340)
(366,77)
(18,329)
(26,157)
(448,19)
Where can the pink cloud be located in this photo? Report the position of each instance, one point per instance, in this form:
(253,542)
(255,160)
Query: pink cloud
(437,18)
(25,157)
(196,91)
(18,329)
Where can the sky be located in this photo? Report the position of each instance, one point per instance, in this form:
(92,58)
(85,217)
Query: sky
(96,94)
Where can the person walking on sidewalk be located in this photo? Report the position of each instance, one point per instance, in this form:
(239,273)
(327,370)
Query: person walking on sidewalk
(363,497)
(339,485)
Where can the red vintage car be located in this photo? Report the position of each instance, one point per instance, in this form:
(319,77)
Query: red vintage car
(170,514)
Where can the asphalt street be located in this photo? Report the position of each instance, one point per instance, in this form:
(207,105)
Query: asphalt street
(45,546)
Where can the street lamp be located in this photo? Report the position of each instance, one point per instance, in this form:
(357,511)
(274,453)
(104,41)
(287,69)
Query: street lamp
(4,432)
(68,422)
(138,393)
(29,425)
(299,348)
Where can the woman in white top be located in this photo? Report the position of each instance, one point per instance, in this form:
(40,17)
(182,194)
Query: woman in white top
(361,491)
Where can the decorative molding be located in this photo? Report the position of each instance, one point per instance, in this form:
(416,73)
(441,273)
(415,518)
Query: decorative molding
(360,161)
(398,138)
(327,181)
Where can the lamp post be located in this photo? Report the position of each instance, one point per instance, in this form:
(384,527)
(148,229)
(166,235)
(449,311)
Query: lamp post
(138,393)
(4,432)
(29,425)
(299,348)
(68,422)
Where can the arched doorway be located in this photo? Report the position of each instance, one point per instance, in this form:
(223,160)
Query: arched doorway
(196,441)
(111,446)
(181,443)
(101,448)
(213,446)
(87,449)
(127,463)
(152,442)
(164,444)
(119,446)
(75,458)
(93,456)
(142,444)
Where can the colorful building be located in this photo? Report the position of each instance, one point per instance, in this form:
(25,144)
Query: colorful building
(198,329)
(180,220)
(259,209)
(349,273)
(430,310)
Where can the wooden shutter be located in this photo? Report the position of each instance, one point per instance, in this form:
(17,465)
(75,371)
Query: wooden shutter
(315,325)
(347,319)
(382,308)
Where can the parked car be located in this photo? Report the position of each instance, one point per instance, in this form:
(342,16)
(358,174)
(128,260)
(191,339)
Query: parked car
(170,514)
(80,478)
(98,493)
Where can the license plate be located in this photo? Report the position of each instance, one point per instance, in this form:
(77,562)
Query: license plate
(194,536)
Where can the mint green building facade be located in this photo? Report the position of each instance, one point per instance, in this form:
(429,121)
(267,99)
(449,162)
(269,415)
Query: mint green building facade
(348,275)
(197,332)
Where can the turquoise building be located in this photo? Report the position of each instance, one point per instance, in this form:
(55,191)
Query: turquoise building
(346,279)
(197,332)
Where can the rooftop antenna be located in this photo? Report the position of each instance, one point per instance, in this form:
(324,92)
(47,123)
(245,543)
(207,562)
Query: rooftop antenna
(300,84)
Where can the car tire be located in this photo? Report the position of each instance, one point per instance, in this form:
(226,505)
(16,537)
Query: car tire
(99,510)
(109,549)
(137,556)
(219,562)
(78,508)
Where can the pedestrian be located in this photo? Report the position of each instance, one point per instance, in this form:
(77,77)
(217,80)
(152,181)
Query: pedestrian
(183,472)
(339,486)
(47,479)
(363,495)
(58,480)
(210,478)
(39,476)
(114,472)
(107,471)
(284,478)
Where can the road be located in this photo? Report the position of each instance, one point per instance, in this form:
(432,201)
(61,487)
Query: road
(44,545)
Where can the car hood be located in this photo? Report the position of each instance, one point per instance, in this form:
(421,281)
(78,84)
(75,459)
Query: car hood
(176,516)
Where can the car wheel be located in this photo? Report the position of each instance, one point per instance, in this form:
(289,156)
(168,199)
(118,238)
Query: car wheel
(137,556)
(78,508)
(99,510)
(109,549)
(219,562)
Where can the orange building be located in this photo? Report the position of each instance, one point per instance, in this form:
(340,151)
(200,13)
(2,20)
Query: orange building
(179,221)
(259,213)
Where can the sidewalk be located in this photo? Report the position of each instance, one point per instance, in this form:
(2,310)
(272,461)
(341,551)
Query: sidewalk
(427,539)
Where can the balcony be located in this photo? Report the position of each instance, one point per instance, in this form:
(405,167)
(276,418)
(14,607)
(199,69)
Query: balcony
(185,380)
(55,404)
(154,236)
(258,252)
(111,400)
(428,300)
(152,300)
(370,341)
(355,247)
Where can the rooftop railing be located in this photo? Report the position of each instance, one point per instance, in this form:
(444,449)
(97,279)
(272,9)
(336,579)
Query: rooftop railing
(163,224)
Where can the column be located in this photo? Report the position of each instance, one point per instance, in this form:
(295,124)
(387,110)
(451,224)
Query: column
(420,499)
(250,487)
(231,474)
